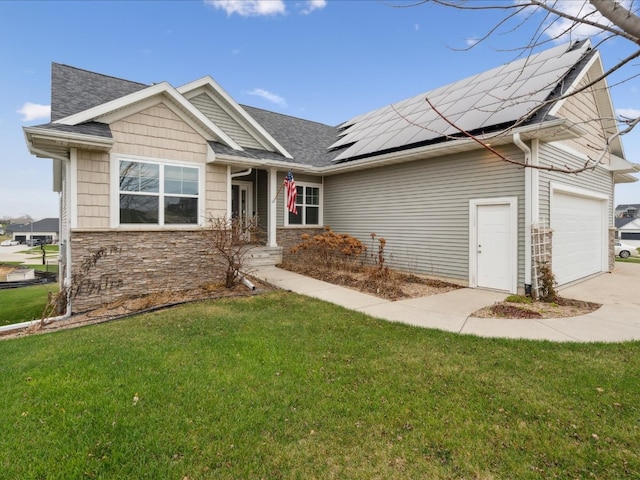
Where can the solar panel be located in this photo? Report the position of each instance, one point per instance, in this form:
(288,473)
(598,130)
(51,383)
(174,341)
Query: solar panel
(500,95)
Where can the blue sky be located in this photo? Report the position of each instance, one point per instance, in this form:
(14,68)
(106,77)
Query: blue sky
(324,60)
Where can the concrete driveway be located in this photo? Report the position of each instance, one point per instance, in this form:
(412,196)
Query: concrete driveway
(12,254)
(620,287)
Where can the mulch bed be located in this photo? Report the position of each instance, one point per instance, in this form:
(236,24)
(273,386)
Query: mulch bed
(141,304)
(392,286)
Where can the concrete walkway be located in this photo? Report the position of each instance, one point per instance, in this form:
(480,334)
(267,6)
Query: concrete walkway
(617,320)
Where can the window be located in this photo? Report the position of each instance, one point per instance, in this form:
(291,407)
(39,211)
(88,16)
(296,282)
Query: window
(159,194)
(308,205)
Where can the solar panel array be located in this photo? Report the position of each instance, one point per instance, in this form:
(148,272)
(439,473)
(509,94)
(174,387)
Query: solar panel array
(503,94)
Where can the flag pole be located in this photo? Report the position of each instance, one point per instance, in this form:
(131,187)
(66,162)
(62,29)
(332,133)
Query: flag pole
(278,192)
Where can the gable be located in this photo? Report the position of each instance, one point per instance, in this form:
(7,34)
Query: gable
(160,133)
(592,109)
(228,124)
(222,102)
(582,109)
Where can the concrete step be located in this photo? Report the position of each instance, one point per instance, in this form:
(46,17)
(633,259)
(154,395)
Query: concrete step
(262,256)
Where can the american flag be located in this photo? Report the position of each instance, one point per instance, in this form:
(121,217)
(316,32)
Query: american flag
(290,192)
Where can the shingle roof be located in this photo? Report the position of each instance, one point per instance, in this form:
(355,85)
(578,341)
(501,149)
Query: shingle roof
(621,222)
(96,129)
(305,140)
(44,225)
(483,102)
(74,90)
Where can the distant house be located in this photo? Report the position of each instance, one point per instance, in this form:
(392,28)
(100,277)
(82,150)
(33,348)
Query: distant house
(628,228)
(46,230)
(141,168)
(628,210)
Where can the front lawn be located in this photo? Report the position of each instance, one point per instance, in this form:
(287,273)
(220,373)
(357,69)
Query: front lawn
(24,304)
(282,386)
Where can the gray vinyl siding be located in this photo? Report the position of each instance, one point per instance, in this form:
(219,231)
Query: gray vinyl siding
(421,208)
(224,121)
(600,180)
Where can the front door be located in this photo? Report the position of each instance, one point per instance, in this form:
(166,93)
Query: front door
(241,203)
(494,246)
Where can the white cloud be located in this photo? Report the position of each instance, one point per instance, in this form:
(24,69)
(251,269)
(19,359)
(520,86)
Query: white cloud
(250,8)
(312,5)
(34,111)
(271,97)
(471,42)
(628,112)
(561,28)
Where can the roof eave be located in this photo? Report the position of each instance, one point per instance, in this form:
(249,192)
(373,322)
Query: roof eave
(226,159)
(44,142)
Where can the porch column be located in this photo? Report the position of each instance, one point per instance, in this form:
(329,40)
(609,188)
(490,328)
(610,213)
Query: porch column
(273,208)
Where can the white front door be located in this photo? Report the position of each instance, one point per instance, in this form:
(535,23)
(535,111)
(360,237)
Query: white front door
(493,248)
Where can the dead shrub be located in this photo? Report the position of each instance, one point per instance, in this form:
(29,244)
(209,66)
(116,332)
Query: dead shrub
(330,250)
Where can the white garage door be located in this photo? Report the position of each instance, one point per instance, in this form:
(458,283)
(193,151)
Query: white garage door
(579,236)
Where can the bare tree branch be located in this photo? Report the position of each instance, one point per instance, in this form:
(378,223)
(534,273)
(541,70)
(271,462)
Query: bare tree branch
(587,166)
(624,19)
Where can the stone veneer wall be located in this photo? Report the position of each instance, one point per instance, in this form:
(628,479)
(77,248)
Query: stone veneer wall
(612,248)
(289,237)
(138,263)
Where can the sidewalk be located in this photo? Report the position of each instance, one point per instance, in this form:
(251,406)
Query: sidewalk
(617,320)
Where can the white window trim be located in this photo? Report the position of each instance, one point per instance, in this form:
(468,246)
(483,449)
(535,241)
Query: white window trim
(115,193)
(320,212)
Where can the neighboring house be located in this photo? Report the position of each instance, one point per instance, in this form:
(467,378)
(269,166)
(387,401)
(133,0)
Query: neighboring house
(628,210)
(46,230)
(628,228)
(141,168)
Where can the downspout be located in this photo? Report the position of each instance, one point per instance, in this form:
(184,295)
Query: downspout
(242,174)
(528,218)
(66,281)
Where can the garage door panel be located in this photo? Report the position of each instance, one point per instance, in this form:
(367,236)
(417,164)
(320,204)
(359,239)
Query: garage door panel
(579,230)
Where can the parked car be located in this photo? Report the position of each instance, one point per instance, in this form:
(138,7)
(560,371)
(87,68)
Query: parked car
(9,243)
(625,251)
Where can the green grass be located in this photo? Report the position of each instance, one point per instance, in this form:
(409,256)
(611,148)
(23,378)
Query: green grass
(23,304)
(630,259)
(286,387)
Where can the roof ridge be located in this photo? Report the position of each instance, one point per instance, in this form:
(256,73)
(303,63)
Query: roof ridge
(287,115)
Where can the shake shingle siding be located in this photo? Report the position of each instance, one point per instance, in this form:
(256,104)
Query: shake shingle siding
(422,208)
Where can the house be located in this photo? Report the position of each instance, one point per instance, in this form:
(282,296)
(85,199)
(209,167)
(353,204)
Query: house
(45,231)
(628,210)
(141,168)
(628,228)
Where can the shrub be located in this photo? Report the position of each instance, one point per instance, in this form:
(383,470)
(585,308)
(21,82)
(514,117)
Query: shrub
(331,248)
(547,288)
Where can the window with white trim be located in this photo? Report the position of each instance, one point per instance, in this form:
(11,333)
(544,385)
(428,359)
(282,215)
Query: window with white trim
(307,204)
(158,194)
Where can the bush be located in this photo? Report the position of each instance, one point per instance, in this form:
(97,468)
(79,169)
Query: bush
(331,249)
